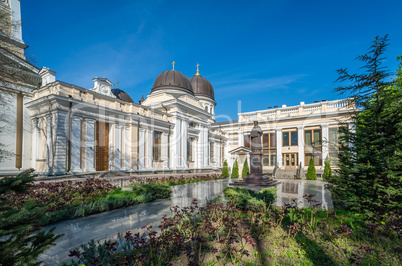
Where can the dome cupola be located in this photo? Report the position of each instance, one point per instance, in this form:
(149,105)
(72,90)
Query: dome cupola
(122,95)
(172,80)
(201,86)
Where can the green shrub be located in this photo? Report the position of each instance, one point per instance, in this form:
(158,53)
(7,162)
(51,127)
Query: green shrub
(311,174)
(235,170)
(225,169)
(327,170)
(156,191)
(247,199)
(245,170)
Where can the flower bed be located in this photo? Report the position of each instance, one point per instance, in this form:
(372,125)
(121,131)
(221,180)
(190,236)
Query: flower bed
(175,180)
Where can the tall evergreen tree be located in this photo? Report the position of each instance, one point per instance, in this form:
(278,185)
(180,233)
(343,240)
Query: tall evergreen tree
(235,170)
(327,175)
(225,169)
(21,238)
(370,166)
(245,170)
(311,173)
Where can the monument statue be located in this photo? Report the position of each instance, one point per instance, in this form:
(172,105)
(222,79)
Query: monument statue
(255,136)
(256,177)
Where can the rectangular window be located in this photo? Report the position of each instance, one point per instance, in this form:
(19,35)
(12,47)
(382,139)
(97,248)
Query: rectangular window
(273,160)
(247,141)
(265,141)
(272,140)
(265,160)
(293,137)
(190,149)
(157,146)
(311,136)
(285,139)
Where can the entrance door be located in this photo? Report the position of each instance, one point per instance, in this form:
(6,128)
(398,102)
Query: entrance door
(290,160)
(102,146)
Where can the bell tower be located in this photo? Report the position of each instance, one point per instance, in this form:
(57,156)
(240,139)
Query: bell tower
(10,27)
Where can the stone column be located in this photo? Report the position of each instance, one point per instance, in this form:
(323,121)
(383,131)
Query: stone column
(60,142)
(49,144)
(300,136)
(200,143)
(165,151)
(240,138)
(141,155)
(112,132)
(35,142)
(117,147)
(90,145)
(279,147)
(127,147)
(175,145)
(206,148)
(324,141)
(149,144)
(75,150)
(184,137)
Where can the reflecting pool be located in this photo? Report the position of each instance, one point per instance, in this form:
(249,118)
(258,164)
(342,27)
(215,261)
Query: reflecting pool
(107,225)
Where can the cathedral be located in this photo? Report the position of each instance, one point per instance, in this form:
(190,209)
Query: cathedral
(58,128)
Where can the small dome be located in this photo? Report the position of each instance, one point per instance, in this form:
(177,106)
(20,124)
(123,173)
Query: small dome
(202,87)
(122,95)
(172,79)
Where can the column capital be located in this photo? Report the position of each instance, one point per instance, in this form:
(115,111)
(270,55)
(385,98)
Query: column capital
(76,118)
(90,120)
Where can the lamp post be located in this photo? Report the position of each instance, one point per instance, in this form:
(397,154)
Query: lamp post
(313,145)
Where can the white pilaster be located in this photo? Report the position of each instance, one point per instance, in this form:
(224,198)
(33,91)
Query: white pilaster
(75,151)
(90,145)
(49,144)
(165,150)
(117,147)
(35,142)
(127,147)
(206,148)
(184,137)
(324,141)
(200,150)
(279,147)
(111,146)
(141,155)
(241,138)
(150,140)
(300,136)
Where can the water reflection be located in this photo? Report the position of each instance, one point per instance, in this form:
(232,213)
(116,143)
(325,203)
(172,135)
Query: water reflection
(108,225)
(290,190)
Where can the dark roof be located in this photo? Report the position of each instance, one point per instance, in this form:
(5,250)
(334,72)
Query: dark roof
(202,87)
(172,79)
(122,95)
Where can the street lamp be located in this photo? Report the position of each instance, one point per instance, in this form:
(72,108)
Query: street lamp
(313,145)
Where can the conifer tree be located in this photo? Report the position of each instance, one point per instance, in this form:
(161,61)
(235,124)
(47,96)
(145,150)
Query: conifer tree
(235,170)
(225,169)
(327,175)
(21,238)
(370,176)
(245,170)
(311,174)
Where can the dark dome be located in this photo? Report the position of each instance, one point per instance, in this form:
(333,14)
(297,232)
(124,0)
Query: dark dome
(202,87)
(122,95)
(172,79)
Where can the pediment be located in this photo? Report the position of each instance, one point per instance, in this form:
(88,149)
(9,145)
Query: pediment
(240,150)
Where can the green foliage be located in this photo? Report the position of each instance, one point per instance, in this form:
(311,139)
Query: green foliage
(327,175)
(155,191)
(245,170)
(21,238)
(311,174)
(370,176)
(247,199)
(225,169)
(235,170)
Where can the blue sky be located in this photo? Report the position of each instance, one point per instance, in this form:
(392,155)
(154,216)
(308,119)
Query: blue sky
(262,53)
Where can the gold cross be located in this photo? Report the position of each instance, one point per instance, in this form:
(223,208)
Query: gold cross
(173,64)
(117,84)
(198,71)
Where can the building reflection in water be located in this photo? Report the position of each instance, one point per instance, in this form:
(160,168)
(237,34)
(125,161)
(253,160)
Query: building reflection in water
(290,190)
